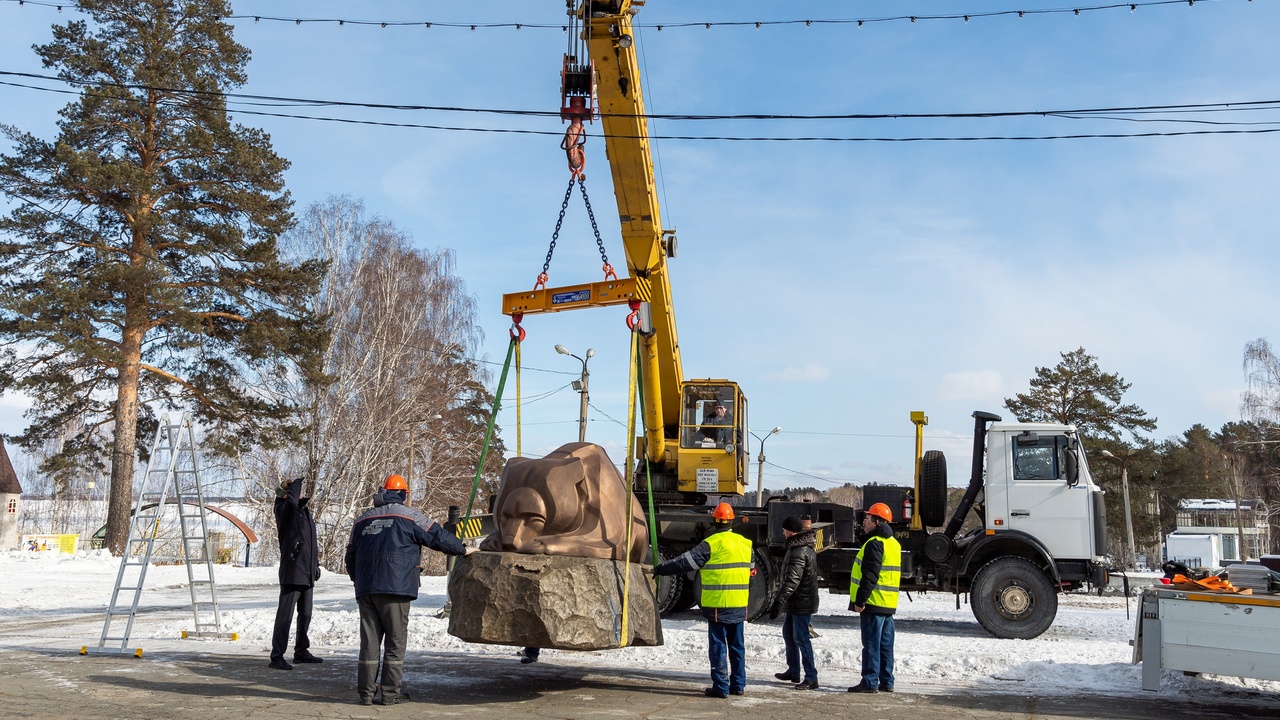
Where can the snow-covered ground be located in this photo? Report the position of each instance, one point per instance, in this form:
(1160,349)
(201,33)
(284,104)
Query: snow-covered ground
(50,600)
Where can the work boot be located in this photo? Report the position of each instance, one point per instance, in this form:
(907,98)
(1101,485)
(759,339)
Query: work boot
(787,677)
(394,699)
(306,657)
(862,687)
(737,691)
(807,685)
(886,688)
(712,692)
(280,664)
(366,699)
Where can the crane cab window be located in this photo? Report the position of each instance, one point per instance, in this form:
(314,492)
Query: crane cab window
(708,417)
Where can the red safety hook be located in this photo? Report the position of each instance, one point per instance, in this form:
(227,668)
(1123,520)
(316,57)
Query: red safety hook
(575,137)
(609,274)
(633,318)
(541,282)
(516,332)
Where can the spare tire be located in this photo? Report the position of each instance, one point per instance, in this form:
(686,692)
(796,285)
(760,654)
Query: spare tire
(933,489)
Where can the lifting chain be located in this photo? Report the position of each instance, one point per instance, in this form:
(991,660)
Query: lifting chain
(608,269)
(544,276)
(546,264)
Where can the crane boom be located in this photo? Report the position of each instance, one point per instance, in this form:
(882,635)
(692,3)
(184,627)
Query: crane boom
(693,428)
(626,139)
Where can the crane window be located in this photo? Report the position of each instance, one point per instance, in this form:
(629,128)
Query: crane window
(708,417)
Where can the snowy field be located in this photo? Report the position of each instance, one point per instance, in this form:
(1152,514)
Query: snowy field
(51,600)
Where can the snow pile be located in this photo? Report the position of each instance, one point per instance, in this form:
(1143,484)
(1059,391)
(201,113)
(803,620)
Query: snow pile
(52,598)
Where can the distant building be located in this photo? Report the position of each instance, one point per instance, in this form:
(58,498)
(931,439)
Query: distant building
(1206,533)
(10,501)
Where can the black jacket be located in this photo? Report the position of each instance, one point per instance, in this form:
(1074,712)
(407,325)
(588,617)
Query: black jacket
(384,555)
(799,592)
(299,552)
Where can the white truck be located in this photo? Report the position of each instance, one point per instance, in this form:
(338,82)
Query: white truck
(1041,525)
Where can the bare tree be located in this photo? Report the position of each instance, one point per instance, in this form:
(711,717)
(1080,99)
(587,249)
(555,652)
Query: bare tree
(403,394)
(1261,401)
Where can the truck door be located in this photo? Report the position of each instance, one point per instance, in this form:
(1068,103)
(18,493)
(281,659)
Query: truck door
(1040,501)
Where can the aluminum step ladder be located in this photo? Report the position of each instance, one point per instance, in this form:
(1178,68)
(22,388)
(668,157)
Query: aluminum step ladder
(172,478)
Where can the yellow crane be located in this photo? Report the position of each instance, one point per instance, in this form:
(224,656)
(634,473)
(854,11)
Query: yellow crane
(693,447)
(694,430)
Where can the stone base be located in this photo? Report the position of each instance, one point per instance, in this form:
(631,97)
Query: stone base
(550,601)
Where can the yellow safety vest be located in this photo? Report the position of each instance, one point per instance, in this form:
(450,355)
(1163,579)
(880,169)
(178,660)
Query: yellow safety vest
(885,593)
(726,578)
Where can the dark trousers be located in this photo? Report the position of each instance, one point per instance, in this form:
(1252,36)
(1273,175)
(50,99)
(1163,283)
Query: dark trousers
(726,639)
(795,636)
(384,620)
(292,596)
(877,650)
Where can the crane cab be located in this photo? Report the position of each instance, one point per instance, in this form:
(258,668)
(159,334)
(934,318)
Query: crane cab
(711,457)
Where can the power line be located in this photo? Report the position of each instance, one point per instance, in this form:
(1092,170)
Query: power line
(966,17)
(1262,105)
(287,101)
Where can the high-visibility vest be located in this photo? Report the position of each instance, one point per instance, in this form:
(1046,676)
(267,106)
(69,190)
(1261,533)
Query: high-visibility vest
(726,578)
(885,593)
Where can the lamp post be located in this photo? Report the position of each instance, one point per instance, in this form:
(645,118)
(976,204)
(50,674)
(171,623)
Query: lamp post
(1124,486)
(581,387)
(760,465)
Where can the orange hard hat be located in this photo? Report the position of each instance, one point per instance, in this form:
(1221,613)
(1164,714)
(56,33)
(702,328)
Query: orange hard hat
(395,482)
(723,512)
(881,511)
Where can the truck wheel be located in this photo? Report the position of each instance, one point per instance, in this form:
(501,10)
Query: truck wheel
(670,587)
(1012,598)
(687,598)
(764,584)
(933,489)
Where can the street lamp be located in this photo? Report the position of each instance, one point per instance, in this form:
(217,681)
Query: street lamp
(760,464)
(581,387)
(1124,486)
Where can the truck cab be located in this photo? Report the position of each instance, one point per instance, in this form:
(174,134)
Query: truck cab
(1038,483)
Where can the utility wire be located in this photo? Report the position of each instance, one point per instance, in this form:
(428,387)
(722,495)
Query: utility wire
(966,17)
(1217,107)
(286,101)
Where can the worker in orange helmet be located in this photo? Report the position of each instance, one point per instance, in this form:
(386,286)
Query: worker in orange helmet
(724,561)
(384,557)
(873,594)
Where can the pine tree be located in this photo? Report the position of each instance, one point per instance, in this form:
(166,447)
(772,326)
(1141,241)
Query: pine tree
(1077,392)
(140,269)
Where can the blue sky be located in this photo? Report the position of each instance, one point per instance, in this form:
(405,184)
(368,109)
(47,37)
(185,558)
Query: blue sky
(843,284)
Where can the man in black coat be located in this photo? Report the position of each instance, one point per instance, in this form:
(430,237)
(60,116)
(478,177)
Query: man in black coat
(299,570)
(798,596)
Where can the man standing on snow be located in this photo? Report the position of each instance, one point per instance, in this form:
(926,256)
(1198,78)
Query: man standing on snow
(798,597)
(299,570)
(873,594)
(384,559)
(726,569)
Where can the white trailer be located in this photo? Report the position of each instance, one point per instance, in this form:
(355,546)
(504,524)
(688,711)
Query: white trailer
(1204,632)
(1197,550)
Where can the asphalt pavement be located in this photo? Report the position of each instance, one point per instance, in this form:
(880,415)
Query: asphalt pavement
(184,682)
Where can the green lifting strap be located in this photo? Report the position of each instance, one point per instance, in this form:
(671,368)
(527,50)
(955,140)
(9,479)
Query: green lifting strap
(493,417)
(648,477)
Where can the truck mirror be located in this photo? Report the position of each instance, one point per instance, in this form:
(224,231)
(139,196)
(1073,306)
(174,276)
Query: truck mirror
(1073,467)
(1027,438)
